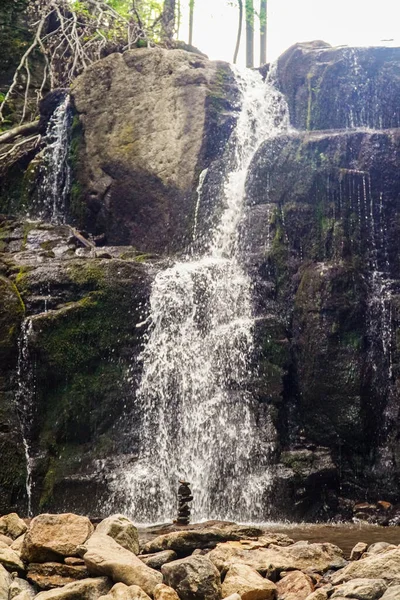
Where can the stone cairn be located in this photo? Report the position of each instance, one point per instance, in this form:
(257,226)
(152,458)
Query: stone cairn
(184,498)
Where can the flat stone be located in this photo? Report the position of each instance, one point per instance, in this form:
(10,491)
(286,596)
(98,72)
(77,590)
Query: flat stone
(295,586)
(193,578)
(358,551)
(164,592)
(51,575)
(104,556)
(12,526)
(315,557)
(380,566)
(120,591)
(86,589)
(5,582)
(362,589)
(158,559)
(248,583)
(51,537)
(10,559)
(122,530)
(184,542)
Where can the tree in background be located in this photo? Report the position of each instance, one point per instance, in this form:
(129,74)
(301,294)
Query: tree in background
(263,32)
(191,16)
(168,22)
(239,31)
(249,33)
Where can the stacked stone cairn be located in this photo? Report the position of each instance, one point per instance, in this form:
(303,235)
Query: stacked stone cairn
(184,498)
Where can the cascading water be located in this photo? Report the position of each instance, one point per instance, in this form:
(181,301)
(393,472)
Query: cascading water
(199,420)
(56,179)
(24,400)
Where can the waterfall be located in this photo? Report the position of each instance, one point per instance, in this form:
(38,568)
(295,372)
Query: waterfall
(56,171)
(199,419)
(25,400)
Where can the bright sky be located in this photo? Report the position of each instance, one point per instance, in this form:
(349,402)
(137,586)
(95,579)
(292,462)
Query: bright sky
(338,22)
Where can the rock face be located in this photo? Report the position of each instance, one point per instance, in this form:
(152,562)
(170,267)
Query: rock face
(139,161)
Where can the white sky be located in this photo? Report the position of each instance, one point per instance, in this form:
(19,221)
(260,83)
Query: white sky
(338,22)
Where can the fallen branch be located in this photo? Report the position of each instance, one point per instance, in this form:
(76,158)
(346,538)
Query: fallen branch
(26,129)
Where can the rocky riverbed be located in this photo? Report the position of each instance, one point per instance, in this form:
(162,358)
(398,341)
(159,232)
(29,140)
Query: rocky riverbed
(68,557)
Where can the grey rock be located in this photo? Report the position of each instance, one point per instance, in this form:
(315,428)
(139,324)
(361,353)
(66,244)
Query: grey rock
(158,559)
(193,578)
(86,589)
(122,530)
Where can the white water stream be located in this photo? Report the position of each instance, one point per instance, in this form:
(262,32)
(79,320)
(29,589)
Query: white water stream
(199,419)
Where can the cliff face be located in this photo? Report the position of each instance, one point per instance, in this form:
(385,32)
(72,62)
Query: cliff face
(320,240)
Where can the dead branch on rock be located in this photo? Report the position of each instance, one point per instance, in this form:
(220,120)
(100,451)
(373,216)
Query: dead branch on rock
(26,129)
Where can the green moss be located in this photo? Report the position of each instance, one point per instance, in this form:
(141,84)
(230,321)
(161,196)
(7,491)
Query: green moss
(87,274)
(77,205)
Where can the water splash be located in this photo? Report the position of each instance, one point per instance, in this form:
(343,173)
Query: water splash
(56,181)
(199,416)
(25,400)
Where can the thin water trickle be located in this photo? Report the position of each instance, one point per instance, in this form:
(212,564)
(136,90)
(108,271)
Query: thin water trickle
(198,415)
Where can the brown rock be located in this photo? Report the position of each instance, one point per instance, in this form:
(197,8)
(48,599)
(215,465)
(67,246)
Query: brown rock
(164,592)
(362,589)
(295,586)
(316,557)
(51,575)
(10,559)
(122,530)
(17,543)
(380,566)
(86,589)
(194,578)
(5,582)
(12,526)
(318,595)
(157,560)
(248,583)
(4,539)
(120,591)
(358,551)
(51,537)
(385,506)
(74,561)
(104,556)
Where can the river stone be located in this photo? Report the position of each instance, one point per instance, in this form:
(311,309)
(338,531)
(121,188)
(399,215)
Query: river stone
(12,526)
(194,578)
(5,582)
(51,575)
(315,557)
(248,583)
(122,530)
(86,589)
(392,593)
(381,566)
(51,537)
(358,551)
(380,548)
(104,556)
(295,586)
(164,592)
(362,589)
(157,560)
(20,586)
(10,559)
(184,542)
(318,595)
(120,591)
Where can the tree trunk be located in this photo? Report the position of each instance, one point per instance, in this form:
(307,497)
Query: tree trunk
(191,14)
(168,22)
(249,33)
(263,32)
(239,31)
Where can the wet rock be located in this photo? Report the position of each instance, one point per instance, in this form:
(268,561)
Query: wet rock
(12,526)
(87,589)
(248,583)
(184,542)
(193,578)
(381,566)
(295,586)
(316,557)
(104,556)
(392,593)
(358,551)
(20,586)
(158,559)
(120,591)
(10,559)
(50,575)
(5,582)
(51,537)
(362,589)
(122,530)
(164,592)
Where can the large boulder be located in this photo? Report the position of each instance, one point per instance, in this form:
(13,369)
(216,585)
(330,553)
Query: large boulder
(104,556)
(10,559)
(12,526)
(362,589)
(50,575)
(122,530)
(295,586)
(392,593)
(51,537)
(150,120)
(384,566)
(248,583)
(193,578)
(86,589)
(120,591)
